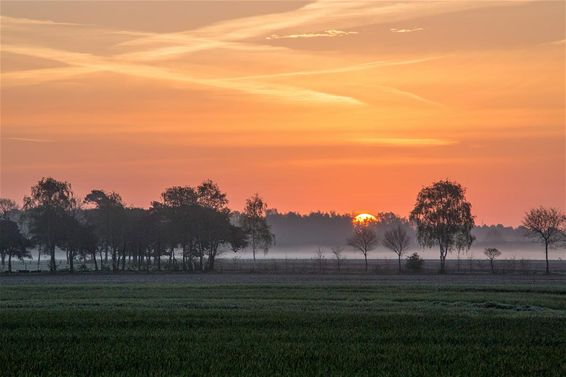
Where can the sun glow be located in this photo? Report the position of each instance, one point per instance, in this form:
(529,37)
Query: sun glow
(364,219)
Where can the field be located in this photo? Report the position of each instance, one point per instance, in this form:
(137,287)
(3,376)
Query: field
(279,325)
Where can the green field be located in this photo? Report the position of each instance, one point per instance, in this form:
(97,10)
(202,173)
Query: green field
(282,330)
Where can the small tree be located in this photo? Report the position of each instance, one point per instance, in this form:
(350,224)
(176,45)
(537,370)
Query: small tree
(254,224)
(547,225)
(319,256)
(414,263)
(337,251)
(397,240)
(444,218)
(491,253)
(363,239)
(12,242)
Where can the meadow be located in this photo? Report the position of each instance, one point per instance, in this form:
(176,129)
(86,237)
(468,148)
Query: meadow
(268,328)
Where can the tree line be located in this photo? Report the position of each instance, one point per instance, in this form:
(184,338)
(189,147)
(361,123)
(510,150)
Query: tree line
(188,227)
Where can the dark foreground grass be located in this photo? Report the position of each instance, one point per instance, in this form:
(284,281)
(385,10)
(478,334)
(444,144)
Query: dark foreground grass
(303,330)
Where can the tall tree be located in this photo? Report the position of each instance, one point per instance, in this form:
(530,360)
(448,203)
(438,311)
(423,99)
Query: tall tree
(254,223)
(364,239)
(179,208)
(213,228)
(443,217)
(48,208)
(108,220)
(12,242)
(547,225)
(398,241)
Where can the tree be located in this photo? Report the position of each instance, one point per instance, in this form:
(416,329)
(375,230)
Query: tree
(254,224)
(397,240)
(213,227)
(179,208)
(108,221)
(337,251)
(12,242)
(547,225)
(491,253)
(48,208)
(319,256)
(7,206)
(364,239)
(443,218)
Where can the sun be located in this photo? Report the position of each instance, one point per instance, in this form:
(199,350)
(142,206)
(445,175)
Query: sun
(364,219)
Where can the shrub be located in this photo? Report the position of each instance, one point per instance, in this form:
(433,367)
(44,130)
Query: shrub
(414,263)
(84,268)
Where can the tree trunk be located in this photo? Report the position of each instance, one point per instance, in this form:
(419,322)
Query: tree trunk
(253,251)
(94,259)
(399,262)
(53,266)
(114,262)
(71,262)
(492,269)
(366,260)
(124,259)
(442,263)
(546,253)
(10,262)
(38,258)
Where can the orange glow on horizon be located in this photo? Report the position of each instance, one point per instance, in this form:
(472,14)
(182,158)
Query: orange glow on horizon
(364,219)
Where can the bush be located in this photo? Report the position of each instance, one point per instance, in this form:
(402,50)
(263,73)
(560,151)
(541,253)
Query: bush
(84,268)
(414,263)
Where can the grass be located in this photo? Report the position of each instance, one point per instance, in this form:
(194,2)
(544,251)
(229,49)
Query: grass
(281,330)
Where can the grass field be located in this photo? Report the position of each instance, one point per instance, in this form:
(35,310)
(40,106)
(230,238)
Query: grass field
(283,329)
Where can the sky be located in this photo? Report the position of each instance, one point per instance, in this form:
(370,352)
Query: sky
(351,106)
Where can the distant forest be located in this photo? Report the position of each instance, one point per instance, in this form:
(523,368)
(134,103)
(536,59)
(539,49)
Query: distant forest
(331,229)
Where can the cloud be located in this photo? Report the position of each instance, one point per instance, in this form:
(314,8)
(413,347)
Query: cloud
(412,30)
(404,142)
(28,140)
(80,63)
(331,33)
(7,21)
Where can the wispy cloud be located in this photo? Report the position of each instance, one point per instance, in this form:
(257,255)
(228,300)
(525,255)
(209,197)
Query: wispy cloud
(343,69)
(411,30)
(15,21)
(240,34)
(404,142)
(28,140)
(81,63)
(331,33)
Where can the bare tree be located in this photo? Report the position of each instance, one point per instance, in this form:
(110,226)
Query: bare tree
(337,251)
(547,225)
(491,253)
(397,240)
(364,239)
(319,255)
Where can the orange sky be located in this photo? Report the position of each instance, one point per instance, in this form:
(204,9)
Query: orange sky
(326,105)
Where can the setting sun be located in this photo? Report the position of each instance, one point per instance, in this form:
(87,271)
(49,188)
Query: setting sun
(364,219)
